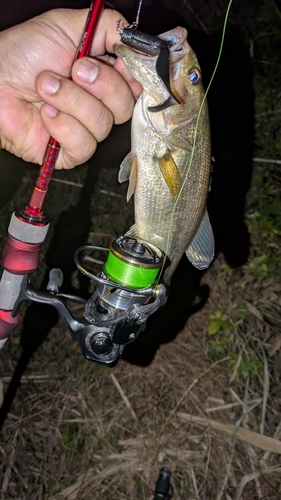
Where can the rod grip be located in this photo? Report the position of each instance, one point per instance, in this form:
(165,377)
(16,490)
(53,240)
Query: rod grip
(20,256)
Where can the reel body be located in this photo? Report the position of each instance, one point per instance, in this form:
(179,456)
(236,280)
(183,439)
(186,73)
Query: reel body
(127,293)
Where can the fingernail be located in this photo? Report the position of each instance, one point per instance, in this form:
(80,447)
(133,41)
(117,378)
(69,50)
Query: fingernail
(50,84)
(50,111)
(87,71)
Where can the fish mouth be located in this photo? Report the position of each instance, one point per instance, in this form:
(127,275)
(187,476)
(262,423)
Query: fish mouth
(177,42)
(177,38)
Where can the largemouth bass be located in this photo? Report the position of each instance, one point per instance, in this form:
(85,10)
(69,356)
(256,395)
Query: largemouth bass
(170,160)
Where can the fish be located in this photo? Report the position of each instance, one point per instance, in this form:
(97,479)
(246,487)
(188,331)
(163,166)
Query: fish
(169,165)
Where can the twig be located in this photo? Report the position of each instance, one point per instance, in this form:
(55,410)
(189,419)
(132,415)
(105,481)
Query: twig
(266,386)
(77,420)
(110,193)
(253,438)
(188,391)
(194,483)
(254,475)
(267,453)
(207,462)
(228,472)
(124,397)
(255,402)
(223,407)
(70,183)
(266,160)
(235,396)
(7,475)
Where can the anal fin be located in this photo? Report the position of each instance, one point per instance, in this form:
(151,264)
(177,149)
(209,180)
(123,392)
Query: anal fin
(201,250)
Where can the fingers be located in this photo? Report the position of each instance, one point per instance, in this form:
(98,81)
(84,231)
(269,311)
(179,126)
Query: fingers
(100,86)
(79,116)
(105,37)
(104,41)
(73,101)
(107,85)
(77,143)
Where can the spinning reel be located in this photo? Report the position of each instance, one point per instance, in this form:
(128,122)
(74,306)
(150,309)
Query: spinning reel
(127,293)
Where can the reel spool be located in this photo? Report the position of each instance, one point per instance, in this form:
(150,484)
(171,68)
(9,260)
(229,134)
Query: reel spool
(133,264)
(129,273)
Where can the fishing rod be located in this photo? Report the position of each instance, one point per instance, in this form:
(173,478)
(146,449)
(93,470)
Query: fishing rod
(33,212)
(28,227)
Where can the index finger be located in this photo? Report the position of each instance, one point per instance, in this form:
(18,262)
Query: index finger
(106,34)
(104,39)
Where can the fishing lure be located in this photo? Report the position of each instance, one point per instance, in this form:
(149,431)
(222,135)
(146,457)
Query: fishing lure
(153,46)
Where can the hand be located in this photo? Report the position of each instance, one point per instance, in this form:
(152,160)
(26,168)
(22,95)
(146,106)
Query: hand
(38,100)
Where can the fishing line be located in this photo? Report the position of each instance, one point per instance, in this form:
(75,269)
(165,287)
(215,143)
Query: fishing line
(134,276)
(138,14)
(136,22)
(195,136)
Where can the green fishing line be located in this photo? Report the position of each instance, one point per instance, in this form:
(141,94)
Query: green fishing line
(133,275)
(195,134)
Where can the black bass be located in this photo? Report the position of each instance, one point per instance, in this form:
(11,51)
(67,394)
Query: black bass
(170,160)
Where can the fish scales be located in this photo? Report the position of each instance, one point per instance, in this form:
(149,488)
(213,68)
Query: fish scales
(169,174)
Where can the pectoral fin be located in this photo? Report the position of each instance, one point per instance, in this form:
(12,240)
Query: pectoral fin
(128,170)
(125,168)
(170,173)
(201,250)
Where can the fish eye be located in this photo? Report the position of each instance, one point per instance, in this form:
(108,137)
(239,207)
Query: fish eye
(194,76)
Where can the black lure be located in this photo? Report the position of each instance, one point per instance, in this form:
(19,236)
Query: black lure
(152,46)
